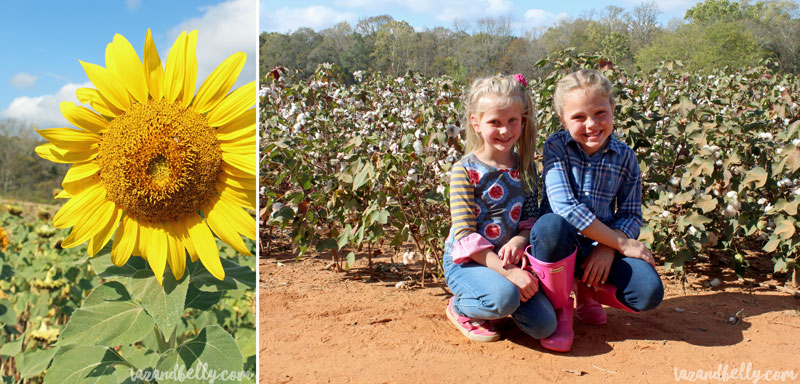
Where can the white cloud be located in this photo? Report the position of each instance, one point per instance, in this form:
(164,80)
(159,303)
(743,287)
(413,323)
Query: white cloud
(133,5)
(541,18)
(23,80)
(287,20)
(223,30)
(43,111)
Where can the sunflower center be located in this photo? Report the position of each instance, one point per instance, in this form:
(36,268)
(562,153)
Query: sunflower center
(159,161)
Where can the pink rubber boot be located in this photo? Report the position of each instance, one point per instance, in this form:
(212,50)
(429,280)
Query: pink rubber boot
(556,281)
(587,309)
(607,294)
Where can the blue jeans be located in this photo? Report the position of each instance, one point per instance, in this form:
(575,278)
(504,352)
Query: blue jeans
(483,294)
(638,284)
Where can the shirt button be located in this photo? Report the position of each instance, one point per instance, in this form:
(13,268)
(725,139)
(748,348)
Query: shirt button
(586,193)
(589,165)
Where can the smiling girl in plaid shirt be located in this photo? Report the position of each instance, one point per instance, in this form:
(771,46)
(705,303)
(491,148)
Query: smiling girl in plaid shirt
(593,185)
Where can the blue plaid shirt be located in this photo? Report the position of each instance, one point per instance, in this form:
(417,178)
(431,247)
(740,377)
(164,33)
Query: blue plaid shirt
(580,188)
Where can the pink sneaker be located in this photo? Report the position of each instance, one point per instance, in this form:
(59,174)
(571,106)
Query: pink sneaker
(476,330)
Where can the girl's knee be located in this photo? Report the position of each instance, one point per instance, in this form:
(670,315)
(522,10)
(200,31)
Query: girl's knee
(648,297)
(502,300)
(552,237)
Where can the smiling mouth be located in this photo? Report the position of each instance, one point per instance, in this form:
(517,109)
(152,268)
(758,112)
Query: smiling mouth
(500,140)
(593,136)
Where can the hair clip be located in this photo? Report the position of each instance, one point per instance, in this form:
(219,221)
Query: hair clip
(521,79)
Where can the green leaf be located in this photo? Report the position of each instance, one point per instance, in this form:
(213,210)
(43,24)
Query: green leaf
(772,244)
(784,229)
(236,277)
(7,314)
(246,341)
(12,348)
(201,300)
(108,323)
(164,303)
(32,363)
(756,175)
(105,268)
(83,364)
(212,350)
(344,237)
(706,203)
(109,291)
(790,208)
(326,244)
(351,259)
(682,198)
(363,176)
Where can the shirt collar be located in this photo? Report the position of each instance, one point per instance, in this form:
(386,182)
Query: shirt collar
(613,144)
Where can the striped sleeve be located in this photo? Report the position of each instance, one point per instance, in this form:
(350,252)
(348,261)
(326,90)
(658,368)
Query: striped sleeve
(462,202)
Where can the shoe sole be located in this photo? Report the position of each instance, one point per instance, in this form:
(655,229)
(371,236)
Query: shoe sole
(471,336)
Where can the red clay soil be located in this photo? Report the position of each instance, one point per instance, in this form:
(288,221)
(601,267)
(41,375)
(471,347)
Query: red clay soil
(322,326)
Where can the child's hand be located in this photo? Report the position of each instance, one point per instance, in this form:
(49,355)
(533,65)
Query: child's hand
(527,283)
(637,249)
(597,265)
(512,252)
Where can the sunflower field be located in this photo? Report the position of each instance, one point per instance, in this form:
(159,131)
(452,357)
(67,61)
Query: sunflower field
(347,166)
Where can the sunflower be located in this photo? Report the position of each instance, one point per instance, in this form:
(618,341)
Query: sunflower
(156,162)
(3,239)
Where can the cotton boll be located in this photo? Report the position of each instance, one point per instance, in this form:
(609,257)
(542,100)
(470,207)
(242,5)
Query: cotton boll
(418,148)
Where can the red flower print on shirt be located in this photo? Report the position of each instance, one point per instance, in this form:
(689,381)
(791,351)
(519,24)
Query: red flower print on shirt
(496,192)
(477,210)
(492,231)
(474,176)
(514,174)
(516,212)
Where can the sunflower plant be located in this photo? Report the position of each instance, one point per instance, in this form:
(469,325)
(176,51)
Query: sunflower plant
(161,171)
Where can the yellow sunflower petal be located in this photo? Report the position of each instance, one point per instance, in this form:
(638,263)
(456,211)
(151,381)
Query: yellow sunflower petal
(63,195)
(190,75)
(225,226)
(76,187)
(204,244)
(154,73)
(238,182)
(99,240)
(187,240)
(80,171)
(72,210)
(175,70)
(234,217)
(124,63)
(83,117)
(97,101)
(90,223)
(124,241)
(236,103)
(108,85)
(67,138)
(55,154)
(241,147)
(245,163)
(218,83)
(176,255)
(241,127)
(233,171)
(156,250)
(243,197)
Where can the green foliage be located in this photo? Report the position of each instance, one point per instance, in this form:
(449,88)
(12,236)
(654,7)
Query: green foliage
(347,166)
(65,318)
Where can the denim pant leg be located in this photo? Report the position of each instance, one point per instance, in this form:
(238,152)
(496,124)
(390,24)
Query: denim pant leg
(479,292)
(552,238)
(536,316)
(638,285)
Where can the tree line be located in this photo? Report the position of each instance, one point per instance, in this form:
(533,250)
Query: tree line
(713,34)
(23,174)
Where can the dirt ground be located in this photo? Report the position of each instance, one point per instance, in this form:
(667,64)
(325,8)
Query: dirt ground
(322,326)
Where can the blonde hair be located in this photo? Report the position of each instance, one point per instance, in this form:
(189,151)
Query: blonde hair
(509,91)
(584,79)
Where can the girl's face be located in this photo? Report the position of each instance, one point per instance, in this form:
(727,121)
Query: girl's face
(500,125)
(589,117)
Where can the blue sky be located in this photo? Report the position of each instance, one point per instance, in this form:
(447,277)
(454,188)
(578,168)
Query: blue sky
(42,43)
(282,16)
